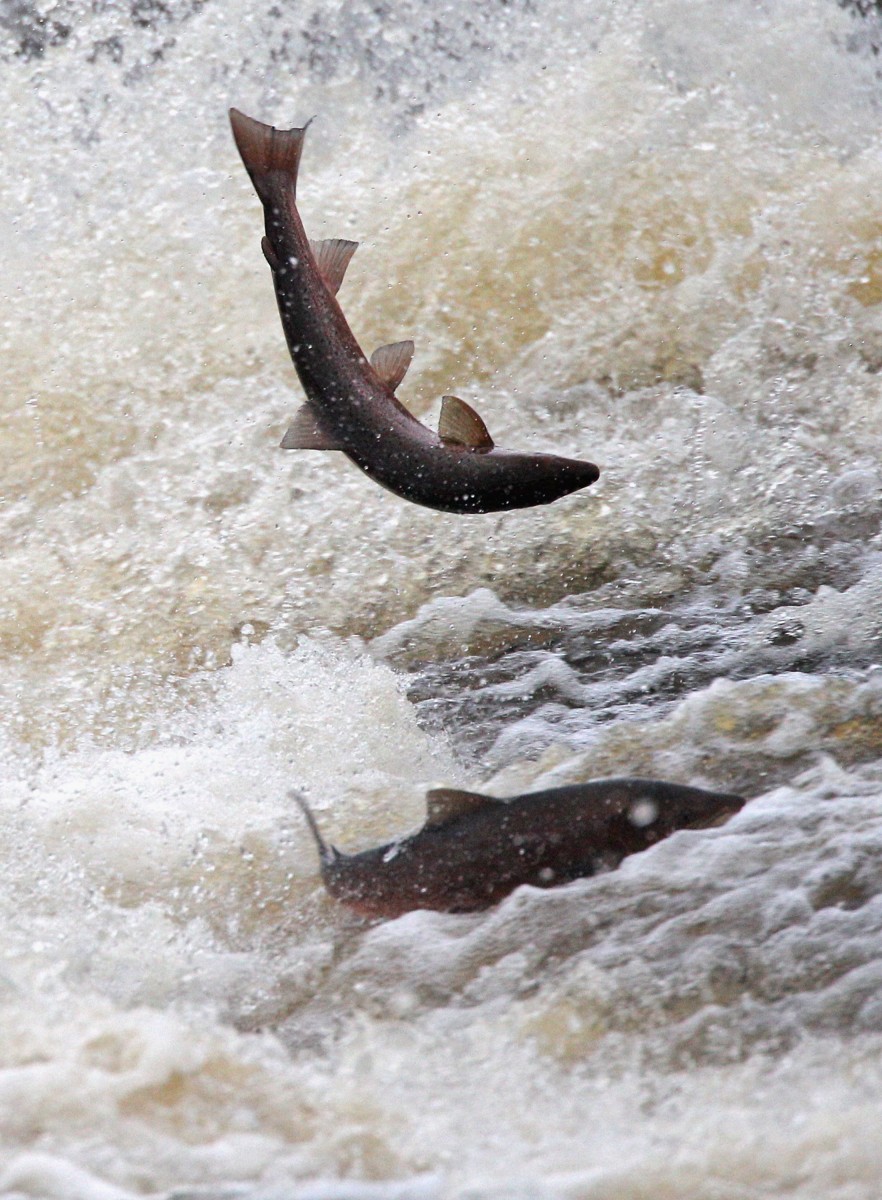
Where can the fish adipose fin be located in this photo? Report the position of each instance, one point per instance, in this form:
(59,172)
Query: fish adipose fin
(332,257)
(305,433)
(265,149)
(460,424)
(391,362)
(447,804)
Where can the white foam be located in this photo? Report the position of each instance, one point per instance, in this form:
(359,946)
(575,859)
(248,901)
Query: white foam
(632,233)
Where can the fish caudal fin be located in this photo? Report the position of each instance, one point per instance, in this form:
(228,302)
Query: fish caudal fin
(266,150)
(327,854)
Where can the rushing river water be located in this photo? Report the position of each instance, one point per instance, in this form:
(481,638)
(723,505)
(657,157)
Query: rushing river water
(645,233)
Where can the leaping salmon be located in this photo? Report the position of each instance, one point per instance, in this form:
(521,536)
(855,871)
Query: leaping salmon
(350,400)
(473,849)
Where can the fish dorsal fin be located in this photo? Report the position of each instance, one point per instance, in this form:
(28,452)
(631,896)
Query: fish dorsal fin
(446,804)
(305,433)
(391,362)
(460,423)
(332,256)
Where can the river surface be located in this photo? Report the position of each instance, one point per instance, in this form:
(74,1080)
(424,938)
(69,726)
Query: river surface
(647,233)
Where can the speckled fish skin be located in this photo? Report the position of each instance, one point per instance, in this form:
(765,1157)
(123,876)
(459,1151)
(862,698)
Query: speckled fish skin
(354,408)
(471,861)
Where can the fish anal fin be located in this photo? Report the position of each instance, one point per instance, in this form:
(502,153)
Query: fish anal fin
(306,433)
(446,804)
(332,257)
(268,253)
(265,149)
(391,362)
(460,424)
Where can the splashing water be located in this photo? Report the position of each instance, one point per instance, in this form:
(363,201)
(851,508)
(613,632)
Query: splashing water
(645,234)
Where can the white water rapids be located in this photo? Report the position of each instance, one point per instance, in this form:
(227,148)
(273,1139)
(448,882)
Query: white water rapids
(646,233)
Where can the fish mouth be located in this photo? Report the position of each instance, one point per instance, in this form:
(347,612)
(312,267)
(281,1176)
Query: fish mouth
(719,816)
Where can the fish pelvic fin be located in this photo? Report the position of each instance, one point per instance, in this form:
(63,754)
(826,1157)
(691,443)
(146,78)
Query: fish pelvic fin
(327,854)
(266,150)
(332,257)
(461,425)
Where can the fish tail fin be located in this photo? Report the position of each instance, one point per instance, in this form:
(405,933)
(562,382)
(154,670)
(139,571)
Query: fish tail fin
(265,149)
(327,854)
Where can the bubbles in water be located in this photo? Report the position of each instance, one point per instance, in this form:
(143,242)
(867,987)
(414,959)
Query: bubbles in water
(643,813)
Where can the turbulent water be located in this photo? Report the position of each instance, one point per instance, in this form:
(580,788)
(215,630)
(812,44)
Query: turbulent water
(644,233)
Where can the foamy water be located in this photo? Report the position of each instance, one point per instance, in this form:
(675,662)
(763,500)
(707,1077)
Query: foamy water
(645,234)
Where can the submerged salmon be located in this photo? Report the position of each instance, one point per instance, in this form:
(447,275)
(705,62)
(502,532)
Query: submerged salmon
(473,850)
(350,399)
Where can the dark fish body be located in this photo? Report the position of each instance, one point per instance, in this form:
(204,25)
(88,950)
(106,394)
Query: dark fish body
(474,850)
(350,400)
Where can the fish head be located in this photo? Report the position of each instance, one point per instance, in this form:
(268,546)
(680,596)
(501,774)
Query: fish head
(653,810)
(548,477)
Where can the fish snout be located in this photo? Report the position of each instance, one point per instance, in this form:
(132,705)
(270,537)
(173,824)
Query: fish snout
(654,816)
(717,808)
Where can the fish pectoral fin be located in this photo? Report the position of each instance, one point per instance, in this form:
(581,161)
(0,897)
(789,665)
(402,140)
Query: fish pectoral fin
(391,362)
(332,257)
(305,433)
(460,424)
(446,804)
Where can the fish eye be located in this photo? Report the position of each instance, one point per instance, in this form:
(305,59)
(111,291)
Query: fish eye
(642,813)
